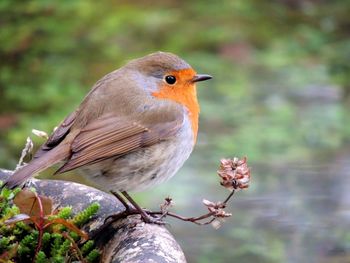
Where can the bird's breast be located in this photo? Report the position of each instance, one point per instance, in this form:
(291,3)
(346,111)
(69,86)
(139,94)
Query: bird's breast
(187,97)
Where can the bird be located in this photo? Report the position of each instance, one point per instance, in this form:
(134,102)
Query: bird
(133,130)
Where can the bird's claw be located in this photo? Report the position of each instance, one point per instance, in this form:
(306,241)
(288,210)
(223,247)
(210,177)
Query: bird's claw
(153,220)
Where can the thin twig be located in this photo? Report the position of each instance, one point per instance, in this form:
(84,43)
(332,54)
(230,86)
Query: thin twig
(28,148)
(163,213)
(75,247)
(229,197)
(40,225)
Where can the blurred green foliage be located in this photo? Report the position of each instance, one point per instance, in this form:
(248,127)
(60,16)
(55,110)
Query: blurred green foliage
(52,52)
(280,92)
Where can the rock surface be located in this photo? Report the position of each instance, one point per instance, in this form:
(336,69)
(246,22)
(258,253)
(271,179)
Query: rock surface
(127,240)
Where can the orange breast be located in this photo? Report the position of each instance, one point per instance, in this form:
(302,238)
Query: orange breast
(183,92)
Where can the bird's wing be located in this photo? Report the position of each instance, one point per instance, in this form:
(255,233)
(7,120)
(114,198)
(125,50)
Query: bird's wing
(58,135)
(108,137)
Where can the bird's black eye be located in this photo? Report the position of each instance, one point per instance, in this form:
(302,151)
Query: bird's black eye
(170,79)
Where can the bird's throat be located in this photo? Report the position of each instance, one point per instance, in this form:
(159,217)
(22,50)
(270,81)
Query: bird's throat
(186,96)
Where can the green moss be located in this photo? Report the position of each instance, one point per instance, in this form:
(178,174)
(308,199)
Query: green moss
(87,247)
(84,216)
(28,245)
(54,246)
(4,243)
(74,235)
(41,258)
(46,241)
(64,247)
(65,212)
(93,256)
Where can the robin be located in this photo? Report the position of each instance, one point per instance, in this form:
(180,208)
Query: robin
(134,129)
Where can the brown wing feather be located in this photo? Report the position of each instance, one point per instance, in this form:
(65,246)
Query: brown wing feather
(111,137)
(58,135)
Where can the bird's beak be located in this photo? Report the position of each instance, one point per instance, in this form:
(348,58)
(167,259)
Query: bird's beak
(201,77)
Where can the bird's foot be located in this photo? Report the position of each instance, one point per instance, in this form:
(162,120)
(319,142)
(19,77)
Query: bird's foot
(146,215)
(147,218)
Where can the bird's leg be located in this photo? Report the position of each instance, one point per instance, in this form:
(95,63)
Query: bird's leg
(136,209)
(121,199)
(146,217)
(128,210)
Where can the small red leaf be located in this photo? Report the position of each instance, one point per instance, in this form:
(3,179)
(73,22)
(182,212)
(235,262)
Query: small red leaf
(27,203)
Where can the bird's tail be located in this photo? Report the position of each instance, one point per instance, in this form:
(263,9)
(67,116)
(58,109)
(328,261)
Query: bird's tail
(57,154)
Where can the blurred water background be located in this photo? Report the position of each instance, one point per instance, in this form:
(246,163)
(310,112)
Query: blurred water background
(280,96)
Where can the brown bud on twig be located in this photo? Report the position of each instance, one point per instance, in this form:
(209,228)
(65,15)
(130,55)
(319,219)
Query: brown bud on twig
(168,202)
(235,173)
(217,212)
(216,208)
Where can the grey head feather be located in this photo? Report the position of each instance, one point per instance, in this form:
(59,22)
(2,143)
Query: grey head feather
(149,71)
(158,64)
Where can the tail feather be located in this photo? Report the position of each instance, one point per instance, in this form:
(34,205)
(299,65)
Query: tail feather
(57,154)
